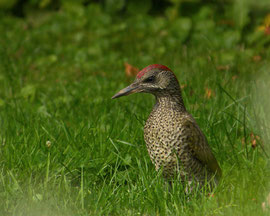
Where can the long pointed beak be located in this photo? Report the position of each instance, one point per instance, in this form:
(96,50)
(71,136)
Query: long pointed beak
(126,91)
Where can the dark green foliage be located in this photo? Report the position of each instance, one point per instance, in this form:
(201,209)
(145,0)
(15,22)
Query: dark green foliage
(235,21)
(58,71)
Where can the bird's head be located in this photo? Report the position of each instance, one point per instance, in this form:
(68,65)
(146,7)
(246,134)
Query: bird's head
(156,79)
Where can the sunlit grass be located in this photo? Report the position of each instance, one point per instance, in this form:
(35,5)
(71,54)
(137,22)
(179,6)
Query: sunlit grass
(56,81)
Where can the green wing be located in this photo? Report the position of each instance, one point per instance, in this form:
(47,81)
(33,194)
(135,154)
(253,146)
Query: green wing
(199,145)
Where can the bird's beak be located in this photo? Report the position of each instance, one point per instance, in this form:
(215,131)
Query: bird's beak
(126,91)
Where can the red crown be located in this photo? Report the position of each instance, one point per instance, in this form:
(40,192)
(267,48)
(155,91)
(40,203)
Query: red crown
(150,67)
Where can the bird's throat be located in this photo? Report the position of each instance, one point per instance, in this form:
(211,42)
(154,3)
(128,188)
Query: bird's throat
(170,102)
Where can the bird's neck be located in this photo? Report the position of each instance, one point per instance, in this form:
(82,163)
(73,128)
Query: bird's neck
(170,102)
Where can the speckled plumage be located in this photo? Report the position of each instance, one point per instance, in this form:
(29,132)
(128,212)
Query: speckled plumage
(174,141)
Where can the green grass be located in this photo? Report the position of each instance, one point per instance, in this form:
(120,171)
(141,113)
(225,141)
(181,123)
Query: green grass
(58,72)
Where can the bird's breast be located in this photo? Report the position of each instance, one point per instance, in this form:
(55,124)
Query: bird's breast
(161,134)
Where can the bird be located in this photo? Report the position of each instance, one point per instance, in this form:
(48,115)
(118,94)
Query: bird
(174,141)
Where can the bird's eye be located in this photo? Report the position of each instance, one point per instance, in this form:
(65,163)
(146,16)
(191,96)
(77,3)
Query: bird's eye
(149,79)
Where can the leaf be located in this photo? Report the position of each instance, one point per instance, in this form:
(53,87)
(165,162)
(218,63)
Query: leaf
(183,86)
(267,20)
(267,30)
(181,28)
(127,160)
(223,67)
(241,11)
(114,6)
(2,102)
(209,93)
(232,38)
(234,77)
(130,70)
(44,3)
(139,6)
(254,139)
(256,58)
(227,58)
(7,4)
(28,92)
(266,26)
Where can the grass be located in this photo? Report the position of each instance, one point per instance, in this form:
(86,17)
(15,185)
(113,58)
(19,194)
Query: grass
(68,149)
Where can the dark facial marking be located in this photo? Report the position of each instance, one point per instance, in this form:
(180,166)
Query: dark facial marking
(149,79)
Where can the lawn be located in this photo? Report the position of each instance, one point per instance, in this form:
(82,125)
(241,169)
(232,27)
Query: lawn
(66,148)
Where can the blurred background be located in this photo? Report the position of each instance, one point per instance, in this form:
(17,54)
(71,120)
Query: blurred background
(111,25)
(66,148)
(116,31)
